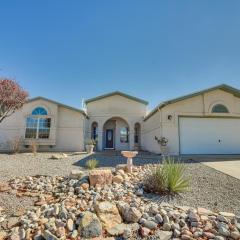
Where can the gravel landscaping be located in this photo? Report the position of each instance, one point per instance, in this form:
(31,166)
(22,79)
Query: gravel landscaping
(209,188)
(111,204)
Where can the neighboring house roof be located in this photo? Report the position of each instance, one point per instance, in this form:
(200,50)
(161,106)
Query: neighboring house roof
(224,87)
(58,103)
(116,93)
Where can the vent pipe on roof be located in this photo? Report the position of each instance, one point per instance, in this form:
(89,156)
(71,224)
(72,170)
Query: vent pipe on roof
(84,105)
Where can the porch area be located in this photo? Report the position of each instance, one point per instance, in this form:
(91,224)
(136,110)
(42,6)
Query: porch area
(116,133)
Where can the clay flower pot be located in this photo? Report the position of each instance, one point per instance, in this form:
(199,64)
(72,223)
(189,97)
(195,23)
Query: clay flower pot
(89,148)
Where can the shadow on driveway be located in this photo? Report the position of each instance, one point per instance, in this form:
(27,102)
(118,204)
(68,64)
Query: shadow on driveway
(107,160)
(211,158)
(113,160)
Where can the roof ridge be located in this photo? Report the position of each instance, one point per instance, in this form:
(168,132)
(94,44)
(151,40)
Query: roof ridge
(58,103)
(117,92)
(222,86)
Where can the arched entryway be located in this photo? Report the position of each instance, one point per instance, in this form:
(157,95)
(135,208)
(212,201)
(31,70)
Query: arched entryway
(116,134)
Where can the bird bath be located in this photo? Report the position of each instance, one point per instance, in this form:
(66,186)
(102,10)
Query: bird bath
(129,155)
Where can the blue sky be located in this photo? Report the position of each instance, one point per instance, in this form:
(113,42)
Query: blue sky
(155,50)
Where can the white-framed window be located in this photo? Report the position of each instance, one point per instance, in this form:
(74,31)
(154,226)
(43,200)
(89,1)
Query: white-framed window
(124,135)
(38,124)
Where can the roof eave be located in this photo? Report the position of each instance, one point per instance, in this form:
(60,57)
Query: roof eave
(116,93)
(224,87)
(57,103)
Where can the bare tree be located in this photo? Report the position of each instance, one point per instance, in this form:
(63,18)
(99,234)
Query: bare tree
(12,97)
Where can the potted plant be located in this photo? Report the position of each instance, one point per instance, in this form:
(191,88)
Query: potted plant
(162,141)
(90,145)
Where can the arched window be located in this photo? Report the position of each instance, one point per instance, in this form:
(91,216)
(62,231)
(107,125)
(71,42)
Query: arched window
(219,108)
(39,111)
(38,125)
(137,133)
(94,132)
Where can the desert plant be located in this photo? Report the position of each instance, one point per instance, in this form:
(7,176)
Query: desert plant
(168,177)
(15,144)
(92,163)
(34,147)
(162,141)
(156,180)
(90,141)
(175,176)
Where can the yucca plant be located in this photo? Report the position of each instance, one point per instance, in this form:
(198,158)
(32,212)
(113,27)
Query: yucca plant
(156,180)
(92,163)
(168,177)
(176,180)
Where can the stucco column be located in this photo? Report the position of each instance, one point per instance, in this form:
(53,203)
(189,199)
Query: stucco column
(131,136)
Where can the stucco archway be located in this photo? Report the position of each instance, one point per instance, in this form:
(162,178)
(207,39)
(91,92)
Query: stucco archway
(115,134)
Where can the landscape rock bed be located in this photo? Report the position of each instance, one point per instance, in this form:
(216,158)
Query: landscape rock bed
(70,208)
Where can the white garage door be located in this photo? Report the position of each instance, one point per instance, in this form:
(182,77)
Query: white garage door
(209,135)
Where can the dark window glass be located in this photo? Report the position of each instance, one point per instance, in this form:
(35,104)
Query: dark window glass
(219,108)
(136,132)
(94,133)
(44,127)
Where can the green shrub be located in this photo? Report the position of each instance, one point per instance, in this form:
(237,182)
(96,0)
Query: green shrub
(156,180)
(91,164)
(168,177)
(176,179)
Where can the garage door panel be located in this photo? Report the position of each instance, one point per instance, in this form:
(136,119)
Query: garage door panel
(209,135)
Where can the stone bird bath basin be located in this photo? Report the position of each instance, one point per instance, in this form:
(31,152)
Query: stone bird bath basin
(129,155)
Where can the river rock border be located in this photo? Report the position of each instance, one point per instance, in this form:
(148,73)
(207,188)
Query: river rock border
(106,204)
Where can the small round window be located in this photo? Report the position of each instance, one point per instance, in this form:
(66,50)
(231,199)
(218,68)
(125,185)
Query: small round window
(219,108)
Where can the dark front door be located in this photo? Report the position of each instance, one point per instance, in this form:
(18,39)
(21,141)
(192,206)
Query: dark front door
(109,138)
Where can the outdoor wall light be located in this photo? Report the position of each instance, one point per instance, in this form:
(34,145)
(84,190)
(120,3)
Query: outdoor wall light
(169,117)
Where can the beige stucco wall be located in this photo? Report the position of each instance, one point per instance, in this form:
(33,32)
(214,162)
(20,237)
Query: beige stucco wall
(10,129)
(119,107)
(150,129)
(66,133)
(70,130)
(200,105)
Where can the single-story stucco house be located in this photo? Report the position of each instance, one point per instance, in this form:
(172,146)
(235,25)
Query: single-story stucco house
(205,122)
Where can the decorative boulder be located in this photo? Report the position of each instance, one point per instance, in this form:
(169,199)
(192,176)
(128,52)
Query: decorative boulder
(76,174)
(132,215)
(121,167)
(117,179)
(90,226)
(49,236)
(4,187)
(129,214)
(108,214)
(100,177)
(59,156)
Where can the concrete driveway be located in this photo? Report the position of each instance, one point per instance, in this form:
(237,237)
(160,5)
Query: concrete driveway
(227,164)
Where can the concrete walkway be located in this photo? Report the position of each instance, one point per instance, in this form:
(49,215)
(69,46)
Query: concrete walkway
(229,167)
(228,164)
